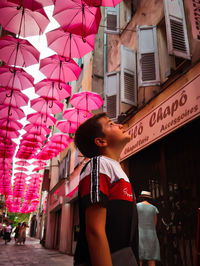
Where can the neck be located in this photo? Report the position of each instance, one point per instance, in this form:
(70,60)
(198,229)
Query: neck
(113,154)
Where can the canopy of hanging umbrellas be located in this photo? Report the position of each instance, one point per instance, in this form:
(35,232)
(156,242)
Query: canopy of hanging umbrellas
(79,22)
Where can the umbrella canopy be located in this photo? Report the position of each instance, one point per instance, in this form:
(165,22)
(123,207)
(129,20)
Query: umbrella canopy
(97,3)
(39,163)
(13,134)
(34,137)
(42,129)
(38,169)
(33,4)
(77,17)
(67,126)
(6,123)
(12,112)
(41,118)
(18,52)
(17,78)
(86,100)
(68,44)
(45,104)
(53,89)
(23,163)
(60,138)
(21,169)
(60,68)
(13,97)
(22,21)
(76,115)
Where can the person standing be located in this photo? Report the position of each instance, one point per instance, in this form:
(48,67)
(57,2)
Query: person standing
(7,233)
(16,231)
(22,233)
(149,248)
(106,203)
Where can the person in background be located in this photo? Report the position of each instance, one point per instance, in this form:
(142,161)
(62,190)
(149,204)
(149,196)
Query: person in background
(7,233)
(17,232)
(22,233)
(1,228)
(149,248)
(106,202)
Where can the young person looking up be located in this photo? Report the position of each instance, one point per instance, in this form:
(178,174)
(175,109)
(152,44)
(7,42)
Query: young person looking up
(106,202)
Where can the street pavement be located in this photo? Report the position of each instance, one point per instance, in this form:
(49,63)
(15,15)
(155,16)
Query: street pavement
(32,253)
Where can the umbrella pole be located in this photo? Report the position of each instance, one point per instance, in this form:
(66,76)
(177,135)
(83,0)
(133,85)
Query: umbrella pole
(20,26)
(83,18)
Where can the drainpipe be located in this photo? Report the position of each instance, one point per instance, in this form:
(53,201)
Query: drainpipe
(105,62)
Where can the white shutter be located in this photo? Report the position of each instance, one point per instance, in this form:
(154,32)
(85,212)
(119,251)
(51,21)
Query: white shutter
(128,76)
(176,28)
(112,20)
(148,64)
(112,95)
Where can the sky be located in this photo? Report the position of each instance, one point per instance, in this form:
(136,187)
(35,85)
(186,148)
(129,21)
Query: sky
(40,43)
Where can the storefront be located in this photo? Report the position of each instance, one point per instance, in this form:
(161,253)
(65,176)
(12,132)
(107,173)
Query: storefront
(163,157)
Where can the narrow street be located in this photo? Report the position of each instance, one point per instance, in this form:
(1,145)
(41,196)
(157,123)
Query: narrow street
(32,253)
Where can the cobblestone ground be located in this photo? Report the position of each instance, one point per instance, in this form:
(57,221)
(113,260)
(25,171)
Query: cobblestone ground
(32,253)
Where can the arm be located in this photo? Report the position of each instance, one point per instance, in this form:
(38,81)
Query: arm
(96,236)
(156,219)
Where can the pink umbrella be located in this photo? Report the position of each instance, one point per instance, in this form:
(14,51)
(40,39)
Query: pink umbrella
(38,169)
(21,169)
(67,126)
(77,17)
(97,3)
(33,4)
(86,100)
(18,52)
(16,78)
(14,113)
(45,104)
(13,97)
(68,44)
(76,115)
(13,134)
(23,163)
(53,89)
(20,175)
(6,123)
(22,21)
(39,163)
(28,144)
(41,118)
(60,138)
(60,68)
(33,137)
(42,129)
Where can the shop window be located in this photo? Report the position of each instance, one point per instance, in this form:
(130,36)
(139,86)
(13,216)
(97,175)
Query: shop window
(128,76)
(64,166)
(176,28)
(112,20)
(148,63)
(112,95)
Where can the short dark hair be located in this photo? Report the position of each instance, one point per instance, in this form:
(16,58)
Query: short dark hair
(86,134)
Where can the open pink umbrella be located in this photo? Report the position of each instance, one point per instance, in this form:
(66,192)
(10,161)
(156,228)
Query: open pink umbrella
(21,169)
(23,163)
(33,137)
(45,104)
(53,89)
(13,134)
(39,163)
(9,123)
(38,169)
(42,129)
(18,52)
(60,138)
(14,113)
(41,118)
(76,115)
(86,100)
(68,44)
(77,17)
(22,21)
(13,97)
(60,68)
(33,4)
(16,78)
(25,143)
(67,126)
(97,3)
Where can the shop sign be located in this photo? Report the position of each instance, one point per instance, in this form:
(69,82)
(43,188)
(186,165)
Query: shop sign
(195,18)
(56,195)
(175,111)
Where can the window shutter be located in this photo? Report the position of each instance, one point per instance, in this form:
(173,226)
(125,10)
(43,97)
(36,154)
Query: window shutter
(128,76)
(148,64)
(112,94)
(176,28)
(112,20)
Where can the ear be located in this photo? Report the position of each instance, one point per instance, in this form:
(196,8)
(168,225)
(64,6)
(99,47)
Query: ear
(100,142)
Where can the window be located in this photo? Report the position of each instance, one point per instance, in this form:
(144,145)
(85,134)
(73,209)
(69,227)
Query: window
(177,38)
(112,95)
(128,76)
(148,64)
(112,20)
(64,167)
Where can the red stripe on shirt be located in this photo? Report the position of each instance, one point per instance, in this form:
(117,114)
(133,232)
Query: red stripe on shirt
(121,190)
